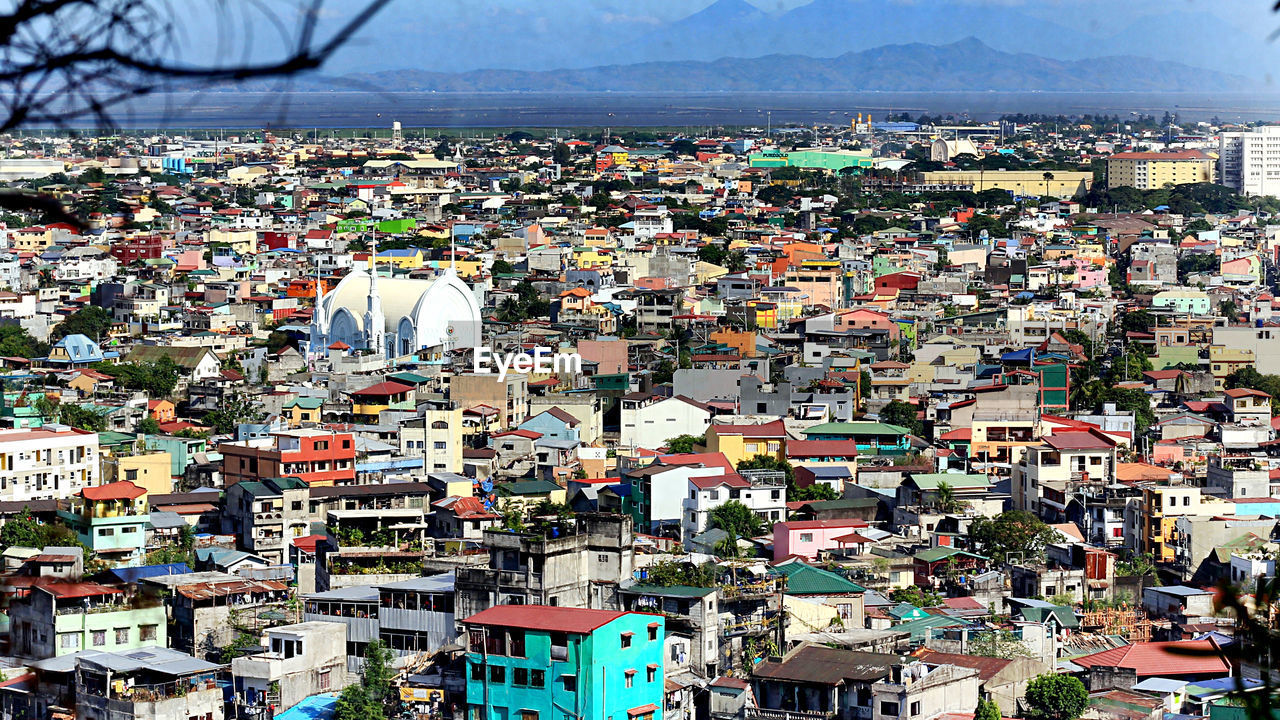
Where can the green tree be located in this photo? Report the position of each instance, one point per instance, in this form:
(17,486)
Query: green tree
(235,409)
(502,267)
(916,595)
(669,573)
(92,321)
(998,643)
(561,155)
(81,417)
(1139,565)
(681,444)
(15,341)
(1056,697)
(737,519)
(987,710)
(944,499)
(354,704)
(902,414)
(22,531)
(1012,531)
(148,426)
(1229,310)
(1198,225)
(376,677)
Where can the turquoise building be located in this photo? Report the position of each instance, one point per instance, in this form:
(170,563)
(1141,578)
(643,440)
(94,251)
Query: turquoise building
(111,520)
(871,437)
(537,662)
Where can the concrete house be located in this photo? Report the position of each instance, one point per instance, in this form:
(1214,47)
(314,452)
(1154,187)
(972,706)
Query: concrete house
(300,661)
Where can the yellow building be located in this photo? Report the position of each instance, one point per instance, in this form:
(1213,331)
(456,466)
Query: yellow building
(1162,505)
(1225,360)
(403,259)
(743,442)
(302,411)
(150,471)
(1060,183)
(1154,170)
(243,242)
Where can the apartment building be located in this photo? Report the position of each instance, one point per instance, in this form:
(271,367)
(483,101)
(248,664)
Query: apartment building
(765,494)
(1065,465)
(1249,162)
(318,457)
(54,461)
(62,618)
(551,662)
(1154,170)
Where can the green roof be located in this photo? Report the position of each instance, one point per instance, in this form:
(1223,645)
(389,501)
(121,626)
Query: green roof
(942,553)
(1064,615)
(109,437)
(930,481)
(842,504)
(411,378)
(527,487)
(856,428)
(306,403)
(672,591)
(920,628)
(805,579)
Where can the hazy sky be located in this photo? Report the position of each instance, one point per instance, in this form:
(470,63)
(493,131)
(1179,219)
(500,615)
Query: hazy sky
(467,34)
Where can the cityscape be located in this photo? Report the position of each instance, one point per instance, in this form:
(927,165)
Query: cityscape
(926,379)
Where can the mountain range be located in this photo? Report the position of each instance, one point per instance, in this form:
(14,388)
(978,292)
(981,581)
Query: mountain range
(1229,36)
(966,65)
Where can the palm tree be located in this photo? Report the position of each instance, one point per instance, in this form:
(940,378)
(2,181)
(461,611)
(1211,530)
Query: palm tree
(736,261)
(1047,177)
(945,499)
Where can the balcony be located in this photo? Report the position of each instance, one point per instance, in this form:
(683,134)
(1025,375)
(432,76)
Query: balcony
(765,714)
(499,578)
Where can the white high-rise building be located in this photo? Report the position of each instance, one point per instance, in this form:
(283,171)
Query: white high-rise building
(1249,162)
(51,462)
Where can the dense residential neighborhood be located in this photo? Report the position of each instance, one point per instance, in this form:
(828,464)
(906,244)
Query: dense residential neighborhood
(911,418)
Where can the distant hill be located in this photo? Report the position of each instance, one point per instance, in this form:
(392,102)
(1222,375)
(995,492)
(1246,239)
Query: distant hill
(966,65)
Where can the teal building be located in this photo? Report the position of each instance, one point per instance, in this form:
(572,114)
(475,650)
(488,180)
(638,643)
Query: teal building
(537,662)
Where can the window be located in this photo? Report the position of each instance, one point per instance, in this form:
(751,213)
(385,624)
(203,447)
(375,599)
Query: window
(517,643)
(537,678)
(888,708)
(631,677)
(602,557)
(99,638)
(528,715)
(915,708)
(323,679)
(497,674)
(626,640)
(653,632)
(146,632)
(106,532)
(520,677)
(651,673)
(68,641)
(477,672)
(570,683)
(806,537)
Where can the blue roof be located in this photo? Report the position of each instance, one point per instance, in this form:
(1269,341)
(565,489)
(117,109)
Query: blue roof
(134,574)
(1023,355)
(316,707)
(80,348)
(1220,685)
(830,471)
(1180,590)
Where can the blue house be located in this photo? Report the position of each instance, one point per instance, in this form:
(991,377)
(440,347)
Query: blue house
(77,351)
(544,662)
(553,424)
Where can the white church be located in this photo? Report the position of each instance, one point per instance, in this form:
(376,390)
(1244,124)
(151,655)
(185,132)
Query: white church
(396,316)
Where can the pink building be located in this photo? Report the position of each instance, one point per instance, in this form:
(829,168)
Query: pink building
(1088,274)
(806,538)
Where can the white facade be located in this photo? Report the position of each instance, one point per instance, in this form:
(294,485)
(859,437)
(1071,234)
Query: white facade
(767,501)
(1249,162)
(647,424)
(51,462)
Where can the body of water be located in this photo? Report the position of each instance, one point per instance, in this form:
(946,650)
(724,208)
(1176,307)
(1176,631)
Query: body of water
(551,110)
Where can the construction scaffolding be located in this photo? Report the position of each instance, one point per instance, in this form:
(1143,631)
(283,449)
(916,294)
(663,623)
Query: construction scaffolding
(1130,623)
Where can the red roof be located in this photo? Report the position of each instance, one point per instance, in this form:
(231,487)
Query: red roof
(1079,440)
(308,543)
(769,429)
(122,490)
(964,433)
(1179,657)
(704,459)
(520,433)
(821,448)
(1246,392)
(732,480)
(811,524)
(383,389)
(545,617)
(71,590)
